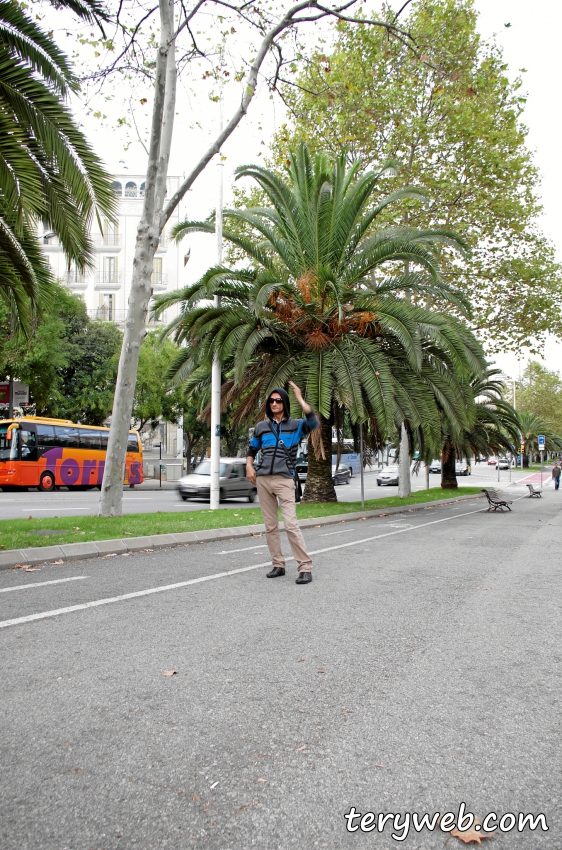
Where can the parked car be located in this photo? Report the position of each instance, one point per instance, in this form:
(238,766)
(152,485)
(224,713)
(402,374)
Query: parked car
(492,461)
(301,467)
(389,475)
(462,468)
(502,463)
(232,481)
(435,466)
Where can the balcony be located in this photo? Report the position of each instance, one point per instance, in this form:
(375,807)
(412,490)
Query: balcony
(50,244)
(110,314)
(159,282)
(108,281)
(110,243)
(77,281)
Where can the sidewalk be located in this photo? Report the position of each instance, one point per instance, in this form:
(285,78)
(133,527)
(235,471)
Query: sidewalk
(13,558)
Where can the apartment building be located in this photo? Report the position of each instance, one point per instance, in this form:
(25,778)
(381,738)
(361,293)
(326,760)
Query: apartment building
(105,288)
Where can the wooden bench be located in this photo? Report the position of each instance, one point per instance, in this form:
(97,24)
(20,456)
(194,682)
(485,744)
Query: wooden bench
(495,501)
(533,492)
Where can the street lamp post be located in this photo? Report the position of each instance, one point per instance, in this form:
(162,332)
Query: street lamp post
(216,368)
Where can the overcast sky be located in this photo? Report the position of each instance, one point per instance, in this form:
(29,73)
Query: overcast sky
(531,42)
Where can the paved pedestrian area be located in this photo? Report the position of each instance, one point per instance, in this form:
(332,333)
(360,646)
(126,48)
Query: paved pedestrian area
(419,670)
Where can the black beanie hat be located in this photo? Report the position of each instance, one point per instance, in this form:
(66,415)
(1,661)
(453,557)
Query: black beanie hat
(286,406)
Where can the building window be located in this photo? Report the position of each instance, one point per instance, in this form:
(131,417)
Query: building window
(156,278)
(141,189)
(130,189)
(106,310)
(117,188)
(110,232)
(110,273)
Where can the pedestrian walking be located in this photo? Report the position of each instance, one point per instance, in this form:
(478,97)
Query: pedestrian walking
(556,476)
(278,438)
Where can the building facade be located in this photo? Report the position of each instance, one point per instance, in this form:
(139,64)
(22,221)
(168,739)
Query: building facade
(105,288)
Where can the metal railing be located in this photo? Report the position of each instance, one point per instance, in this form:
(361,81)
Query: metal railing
(109,278)
(110,314)
(108,240)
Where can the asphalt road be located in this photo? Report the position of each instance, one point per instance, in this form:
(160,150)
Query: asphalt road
(144,500)
(419,670)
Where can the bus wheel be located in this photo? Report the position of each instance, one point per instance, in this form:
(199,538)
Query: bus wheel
(47,482)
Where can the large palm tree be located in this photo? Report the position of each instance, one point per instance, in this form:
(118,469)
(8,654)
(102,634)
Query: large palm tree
(530,427)
(326,302)
(493,426)
(48,171)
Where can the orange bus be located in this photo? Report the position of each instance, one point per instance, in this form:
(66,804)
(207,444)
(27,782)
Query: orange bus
(49,453)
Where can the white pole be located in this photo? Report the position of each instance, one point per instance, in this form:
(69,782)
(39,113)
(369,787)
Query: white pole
(361,452)
(216,369)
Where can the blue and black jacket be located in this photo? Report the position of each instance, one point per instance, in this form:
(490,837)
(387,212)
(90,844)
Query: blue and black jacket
(290,431)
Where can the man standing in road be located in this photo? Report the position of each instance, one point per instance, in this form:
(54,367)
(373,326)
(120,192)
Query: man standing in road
(556,476)
(278,438)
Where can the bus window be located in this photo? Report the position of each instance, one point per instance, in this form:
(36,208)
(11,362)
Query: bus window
(28,441)
(45,437)
(104,437)
(7,443)
(66,437)
(133,443)
(90,439)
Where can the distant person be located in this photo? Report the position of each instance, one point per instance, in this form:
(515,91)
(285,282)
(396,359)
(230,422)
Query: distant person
(556,476)
(278,438)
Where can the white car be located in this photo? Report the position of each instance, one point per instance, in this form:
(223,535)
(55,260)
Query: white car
(388,476)
(232,481)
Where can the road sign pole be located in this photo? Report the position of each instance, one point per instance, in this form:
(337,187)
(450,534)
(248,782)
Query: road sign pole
(541,470)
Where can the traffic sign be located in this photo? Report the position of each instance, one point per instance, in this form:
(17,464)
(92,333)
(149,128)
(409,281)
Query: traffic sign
(541,441)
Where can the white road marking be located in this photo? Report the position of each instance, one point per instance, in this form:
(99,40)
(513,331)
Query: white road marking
(40,584)
(343,531)
(150,591)
(246,549)
(57,508)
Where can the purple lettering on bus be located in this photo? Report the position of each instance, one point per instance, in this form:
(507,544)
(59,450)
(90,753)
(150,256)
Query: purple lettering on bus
(101,468)
(51,456)
(69,471)
(88,466)
(134,473)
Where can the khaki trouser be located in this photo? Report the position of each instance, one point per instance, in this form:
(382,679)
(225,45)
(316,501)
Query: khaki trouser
(271,488)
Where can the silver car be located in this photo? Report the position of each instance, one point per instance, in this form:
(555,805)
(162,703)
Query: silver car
(232,481)
(389,475)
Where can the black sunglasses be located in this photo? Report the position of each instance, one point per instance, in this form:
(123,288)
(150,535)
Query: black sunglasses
(276,401)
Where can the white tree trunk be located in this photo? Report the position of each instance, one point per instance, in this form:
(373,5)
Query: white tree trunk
(148,235)
(404,482)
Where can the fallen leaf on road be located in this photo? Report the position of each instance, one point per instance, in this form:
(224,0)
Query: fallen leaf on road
(30,517)
(195,798)
(170,672)
(471,835)
(263,780)
(320,671)
(378,765)
(58,562)
(302,749)
(301,659)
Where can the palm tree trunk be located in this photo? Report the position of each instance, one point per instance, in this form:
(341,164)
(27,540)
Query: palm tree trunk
(319,485)
(448,474)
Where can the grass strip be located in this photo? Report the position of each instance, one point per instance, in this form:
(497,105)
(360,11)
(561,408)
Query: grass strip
(19,533)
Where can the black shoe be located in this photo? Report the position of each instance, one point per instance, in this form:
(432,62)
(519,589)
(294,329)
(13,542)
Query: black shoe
(276,572)
(304,578)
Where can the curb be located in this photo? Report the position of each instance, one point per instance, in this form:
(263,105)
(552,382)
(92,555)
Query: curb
(101,548)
